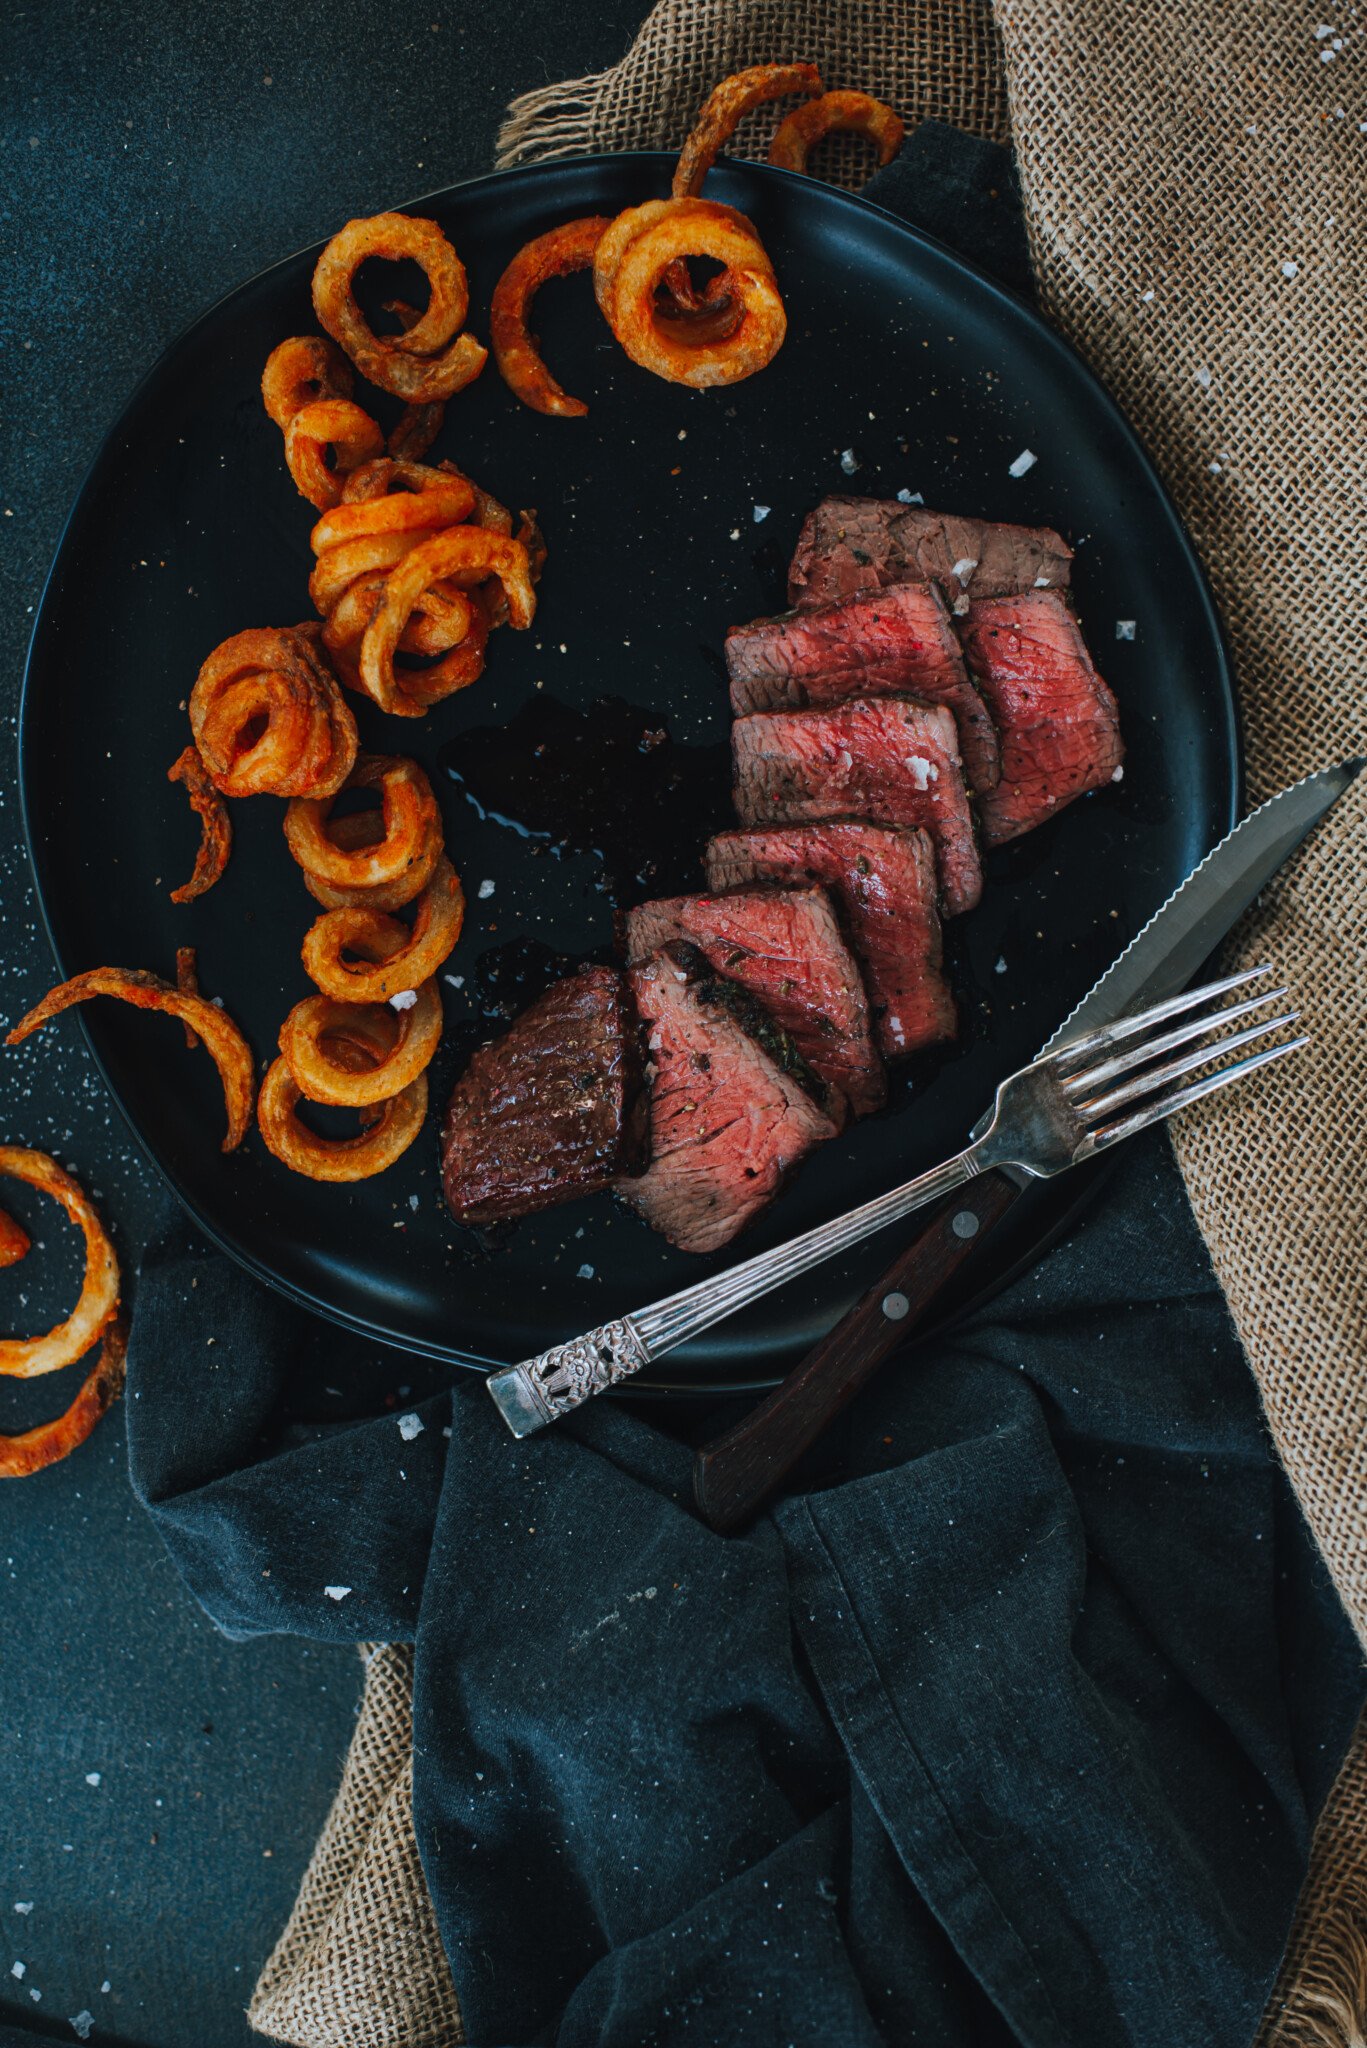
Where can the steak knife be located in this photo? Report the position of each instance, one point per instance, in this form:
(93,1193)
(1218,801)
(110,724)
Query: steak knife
(734,1474)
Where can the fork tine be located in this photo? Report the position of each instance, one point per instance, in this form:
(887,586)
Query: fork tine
(1153,1078)
(1158,1112)
(1128,1027)
(1152,1048)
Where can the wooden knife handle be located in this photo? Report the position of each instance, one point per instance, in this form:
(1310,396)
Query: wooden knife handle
(734,1476)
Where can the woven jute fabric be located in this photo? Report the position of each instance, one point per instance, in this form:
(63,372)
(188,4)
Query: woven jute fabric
(1195,181)
(930,59)
(360,1963)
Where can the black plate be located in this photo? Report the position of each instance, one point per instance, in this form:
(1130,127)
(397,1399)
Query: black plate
(188,529)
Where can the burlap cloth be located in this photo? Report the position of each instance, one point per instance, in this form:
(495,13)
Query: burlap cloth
(1194,179)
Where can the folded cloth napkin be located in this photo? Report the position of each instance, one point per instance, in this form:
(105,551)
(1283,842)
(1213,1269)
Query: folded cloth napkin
(1016,1731)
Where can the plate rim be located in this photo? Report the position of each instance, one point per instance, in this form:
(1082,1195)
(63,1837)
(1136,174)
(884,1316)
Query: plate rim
(662,1384)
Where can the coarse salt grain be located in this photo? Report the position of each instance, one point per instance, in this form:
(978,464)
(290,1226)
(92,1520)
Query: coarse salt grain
(485,890)
(23,1905)
(1291,270)
(456,980)
(735,533)
(92,1777)
(761,512)
(964,569)
(585,1273)
(1000,967)
(336,1592)
(1025,460)
(412,1201)
(81,2023)
(1041,583)
(1323,29)
(1119,773)
(18,1969)
(905,497)
(404,1000)
(1124,629)
(849,461)
(923,772)
(411,1426)
(1203,379)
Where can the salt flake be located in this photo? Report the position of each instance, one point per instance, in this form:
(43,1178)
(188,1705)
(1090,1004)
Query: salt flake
(1291,270)
(92,1777)
(23,1905)
(1119,773)
(456,980)
(336,1592)
(404,1000)
(761,512)
(1025,460)
(964,569)
(905,497)
(1322,30)
(585,1272)
(486,890)
(411,1426)
(923,772)
(18,1969)
(1203,379)
(81,2023)
(1124,629)
(849,461)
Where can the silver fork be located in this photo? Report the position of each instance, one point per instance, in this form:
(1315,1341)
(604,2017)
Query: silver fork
(1065,1107)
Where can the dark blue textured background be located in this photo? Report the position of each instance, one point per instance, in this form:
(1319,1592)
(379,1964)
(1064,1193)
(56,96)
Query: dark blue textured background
(154,156)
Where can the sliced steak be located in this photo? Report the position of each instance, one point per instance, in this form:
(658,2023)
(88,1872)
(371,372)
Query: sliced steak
(785,945)
(1060,729)
(850,544)
(732,1107)
(892,759)
(883,880)
(876,642)
(553,1109)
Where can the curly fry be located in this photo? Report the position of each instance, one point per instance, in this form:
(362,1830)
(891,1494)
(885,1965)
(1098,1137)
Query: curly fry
(723,110)
(224,1042)
(426,363)
(391,958)
(26,1357)
(32,1449)
(216,832)
(563,250)
(854,113)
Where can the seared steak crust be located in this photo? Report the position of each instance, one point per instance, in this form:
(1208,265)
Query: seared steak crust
(883,880)
(731,1107)
(553,1109)
(850,544)
(1060,729)
(892,759)
(785,945)
(899,640)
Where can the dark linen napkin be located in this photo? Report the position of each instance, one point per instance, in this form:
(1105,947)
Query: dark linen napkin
(1014,1732)
(1011,1729)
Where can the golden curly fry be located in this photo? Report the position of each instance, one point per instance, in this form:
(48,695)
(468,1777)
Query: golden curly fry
(461,554)
(411,825)
(725,107)
(739,330)
(49,1442)
(388,1129)
(309,1035)
(426,363)
(391,957)
(14,1240)
(365,829)
(558,253)
(328,423)
(854,113)
(227,1047)
(216,832)
(27,1357)
(268,718)
(298,372)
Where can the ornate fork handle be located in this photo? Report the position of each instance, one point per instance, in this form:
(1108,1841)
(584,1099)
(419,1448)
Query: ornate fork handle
(538,1390)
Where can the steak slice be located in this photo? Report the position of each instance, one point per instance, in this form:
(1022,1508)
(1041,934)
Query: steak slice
(732,1108)
(883,880)
(897,640)
(1060,729)
(554,1108)
(785,945)
(892,759)
(850,544)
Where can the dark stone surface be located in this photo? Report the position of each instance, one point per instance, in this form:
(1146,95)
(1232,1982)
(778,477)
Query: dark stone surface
(154,156)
